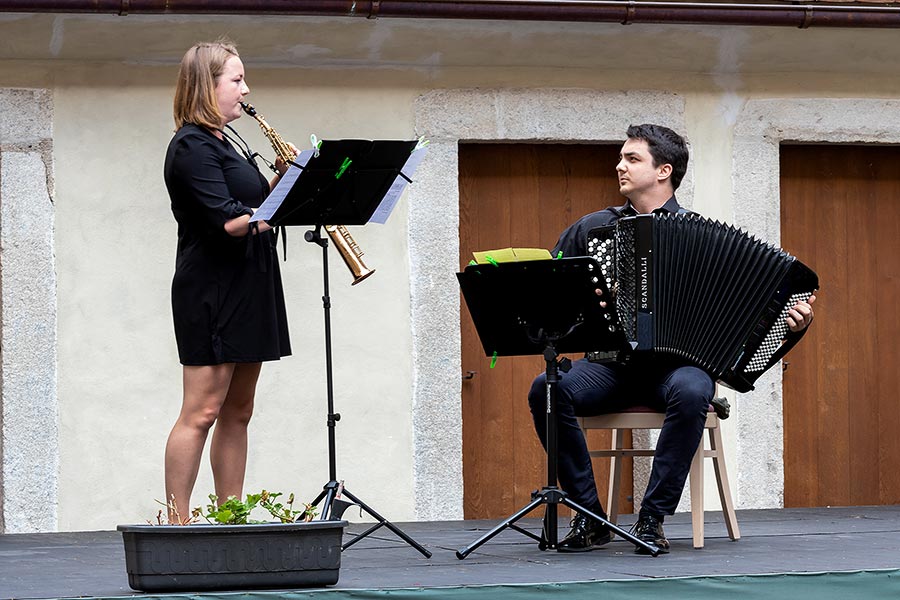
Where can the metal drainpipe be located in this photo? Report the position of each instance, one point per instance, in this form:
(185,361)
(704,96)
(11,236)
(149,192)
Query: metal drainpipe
(609,11)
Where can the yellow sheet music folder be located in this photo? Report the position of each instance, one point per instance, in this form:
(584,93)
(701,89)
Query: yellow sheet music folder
(511,255)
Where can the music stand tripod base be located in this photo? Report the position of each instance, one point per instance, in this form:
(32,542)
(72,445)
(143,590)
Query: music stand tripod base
(333,509)
(551,496)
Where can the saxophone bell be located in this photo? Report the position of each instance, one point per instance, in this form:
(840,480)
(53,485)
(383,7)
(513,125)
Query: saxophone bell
(349,251)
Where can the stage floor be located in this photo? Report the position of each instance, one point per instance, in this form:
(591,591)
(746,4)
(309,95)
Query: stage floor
(823,540)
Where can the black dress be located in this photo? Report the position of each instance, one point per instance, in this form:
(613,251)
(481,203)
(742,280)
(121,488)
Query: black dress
(227,297)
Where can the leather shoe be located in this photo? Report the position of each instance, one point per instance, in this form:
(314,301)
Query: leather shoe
(586,534)
(649,529)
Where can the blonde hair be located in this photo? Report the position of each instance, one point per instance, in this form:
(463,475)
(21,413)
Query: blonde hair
(195,91)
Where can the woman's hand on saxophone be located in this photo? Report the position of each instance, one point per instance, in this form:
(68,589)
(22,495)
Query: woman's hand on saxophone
(280,164)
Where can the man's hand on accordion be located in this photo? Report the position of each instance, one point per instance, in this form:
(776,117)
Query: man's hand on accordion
(612,293)
(801,315)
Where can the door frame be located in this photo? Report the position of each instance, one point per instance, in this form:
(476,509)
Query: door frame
(445,118)
(761,127)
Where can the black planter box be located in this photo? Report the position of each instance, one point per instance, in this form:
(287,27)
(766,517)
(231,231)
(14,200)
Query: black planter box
(228,557)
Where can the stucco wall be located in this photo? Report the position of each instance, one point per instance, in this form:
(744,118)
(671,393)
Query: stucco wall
(114,380)
(119,376)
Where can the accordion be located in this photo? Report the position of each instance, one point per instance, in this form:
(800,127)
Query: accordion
(703,291)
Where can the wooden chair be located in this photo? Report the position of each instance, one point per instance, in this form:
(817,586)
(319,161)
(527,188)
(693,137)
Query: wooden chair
(647,418)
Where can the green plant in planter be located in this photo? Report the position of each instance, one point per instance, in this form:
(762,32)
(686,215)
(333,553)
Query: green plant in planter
(231,512)
(236,512)
(286,513)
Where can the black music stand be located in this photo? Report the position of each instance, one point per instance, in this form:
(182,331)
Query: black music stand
(542,307)
(342,185)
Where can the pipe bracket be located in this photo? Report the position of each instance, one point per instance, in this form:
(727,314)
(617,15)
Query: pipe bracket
(374,7)
(629,13)
(807,17)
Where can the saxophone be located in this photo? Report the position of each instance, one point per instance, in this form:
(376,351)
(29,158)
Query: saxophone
(340,236)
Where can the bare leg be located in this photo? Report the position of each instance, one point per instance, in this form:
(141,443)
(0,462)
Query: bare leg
(205,390)
(228,451)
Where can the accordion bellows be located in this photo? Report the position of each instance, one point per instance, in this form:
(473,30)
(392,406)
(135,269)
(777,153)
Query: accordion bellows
(701,290)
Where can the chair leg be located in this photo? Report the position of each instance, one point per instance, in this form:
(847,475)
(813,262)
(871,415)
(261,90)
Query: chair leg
(696,477)
(715,442)
(615,477)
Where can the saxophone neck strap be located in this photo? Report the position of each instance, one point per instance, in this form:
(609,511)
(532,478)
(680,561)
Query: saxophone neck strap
(245,149)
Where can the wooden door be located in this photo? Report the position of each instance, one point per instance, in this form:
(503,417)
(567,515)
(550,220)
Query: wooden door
(517,195)
(840,214)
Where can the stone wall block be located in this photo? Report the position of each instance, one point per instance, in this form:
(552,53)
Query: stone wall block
(25,116)
(29,430)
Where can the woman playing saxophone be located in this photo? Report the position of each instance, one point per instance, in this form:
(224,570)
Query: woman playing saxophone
(227,297)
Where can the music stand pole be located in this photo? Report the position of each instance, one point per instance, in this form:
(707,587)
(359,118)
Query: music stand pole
(550,530)
(333,488)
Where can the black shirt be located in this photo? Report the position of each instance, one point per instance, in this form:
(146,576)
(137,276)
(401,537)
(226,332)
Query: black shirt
(573,241)
(227,296)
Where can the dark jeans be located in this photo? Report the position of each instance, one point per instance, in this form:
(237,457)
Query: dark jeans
(588,389)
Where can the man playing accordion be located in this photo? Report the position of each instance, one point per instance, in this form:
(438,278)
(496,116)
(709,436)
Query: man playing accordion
(652,163)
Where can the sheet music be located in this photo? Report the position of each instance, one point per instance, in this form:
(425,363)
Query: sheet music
(285,183)
(390,199)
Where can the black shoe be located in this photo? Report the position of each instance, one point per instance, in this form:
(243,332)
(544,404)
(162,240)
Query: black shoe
(586,534)
(649,529)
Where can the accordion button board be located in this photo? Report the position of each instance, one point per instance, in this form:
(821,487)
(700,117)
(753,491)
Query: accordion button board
(702,291)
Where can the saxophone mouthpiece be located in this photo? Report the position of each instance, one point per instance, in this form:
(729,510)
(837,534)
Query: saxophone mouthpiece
(248,108)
